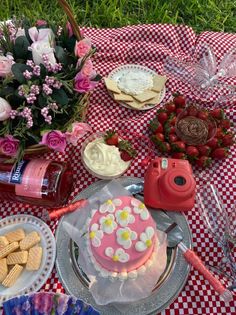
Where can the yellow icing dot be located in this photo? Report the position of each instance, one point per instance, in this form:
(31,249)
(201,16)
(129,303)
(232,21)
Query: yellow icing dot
(125,235)
(115,258)
(124,215)
(141,206)
(109,202)
(108,222)
(92,234)
(148,243)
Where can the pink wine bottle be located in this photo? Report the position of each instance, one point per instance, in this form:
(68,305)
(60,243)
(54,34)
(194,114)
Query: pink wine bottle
(38,181)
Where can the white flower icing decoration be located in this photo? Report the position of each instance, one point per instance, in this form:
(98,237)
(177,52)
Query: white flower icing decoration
(95,235)
(140,208)
(118,255)
(125,236)
(146,239)
(110,205)
(108,224)
(124,217)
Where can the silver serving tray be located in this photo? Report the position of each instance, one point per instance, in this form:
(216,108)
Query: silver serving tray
(165,291)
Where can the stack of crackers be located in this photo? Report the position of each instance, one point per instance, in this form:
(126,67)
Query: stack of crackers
(18,251)
(148,97)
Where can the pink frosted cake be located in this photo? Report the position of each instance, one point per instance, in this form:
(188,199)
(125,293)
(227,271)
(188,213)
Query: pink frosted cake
(122,238)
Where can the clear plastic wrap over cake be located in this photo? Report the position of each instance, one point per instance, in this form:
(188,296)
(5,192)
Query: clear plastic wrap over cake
(121,251)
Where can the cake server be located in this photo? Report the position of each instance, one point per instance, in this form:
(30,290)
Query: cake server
(174,237)
(56,213)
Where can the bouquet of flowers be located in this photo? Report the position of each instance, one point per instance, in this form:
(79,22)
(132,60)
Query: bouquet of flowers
(46,74)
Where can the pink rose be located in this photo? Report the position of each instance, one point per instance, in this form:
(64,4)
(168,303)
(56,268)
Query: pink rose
(55,140)
(9,145)
(5,66)
(5,109)
(78,131)
(69,29)
(82,47)
(83,83)
(87,68)
(41,23)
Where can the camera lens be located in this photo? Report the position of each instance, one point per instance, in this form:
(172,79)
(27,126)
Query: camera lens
(179,180)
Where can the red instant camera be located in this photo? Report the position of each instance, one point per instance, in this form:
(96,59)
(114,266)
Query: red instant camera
(169,184)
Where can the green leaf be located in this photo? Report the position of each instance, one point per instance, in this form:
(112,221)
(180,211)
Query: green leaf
(43,71)
(20,48)
(70,43)
(61,55)
(60,97)
(42,101)
(18,69)
(97,78)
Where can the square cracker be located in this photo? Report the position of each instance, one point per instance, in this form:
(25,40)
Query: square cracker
(158,83)
(35,257)
(123,97)
(3,242)
(12,276)
(15,236)
(3,269)
(145,96)
(111,85)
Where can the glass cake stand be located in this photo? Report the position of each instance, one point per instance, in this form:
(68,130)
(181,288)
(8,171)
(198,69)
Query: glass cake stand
(165,291)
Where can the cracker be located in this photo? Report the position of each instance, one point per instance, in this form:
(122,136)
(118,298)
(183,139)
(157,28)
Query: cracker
(8,249)
(136,104)
(123,97)
(3,269)
(12,276)
(35,257)
(111,85)
(15,236)
(158,83)
(154,100)
(29,241)
(145,96)
(17,258)
(3,242)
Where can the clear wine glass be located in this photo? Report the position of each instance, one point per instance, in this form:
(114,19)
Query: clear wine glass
(218,223)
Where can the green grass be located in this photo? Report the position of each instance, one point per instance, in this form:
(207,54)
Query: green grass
(200,14)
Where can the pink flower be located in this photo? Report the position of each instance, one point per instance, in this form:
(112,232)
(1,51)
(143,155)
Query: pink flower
(41,23)
(55,140)
(9,145)
(82,47)
(78,131)
(83,83)
(5,109)
(87,68)
(5,66)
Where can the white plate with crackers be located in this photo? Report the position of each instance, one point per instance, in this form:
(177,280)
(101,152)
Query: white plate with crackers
(27,255)
(136,87)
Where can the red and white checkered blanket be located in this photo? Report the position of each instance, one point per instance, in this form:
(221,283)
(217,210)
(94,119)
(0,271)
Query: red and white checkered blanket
(149,45)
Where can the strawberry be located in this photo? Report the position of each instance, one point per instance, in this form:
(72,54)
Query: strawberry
(179,100)
(164,147)
(172,129)
(155,126)
(204,150)
(213,143)
(203,115)
(179,155)
(170,107)
(178,146)
(219,133)
(227,140)
(125,156)
(179,110)
(192,110)
(203,161)
(225,124)
(162,117)
(173,121)
(159,136)
(173,137)
(219,153)
(217,113)
(127,152)
(111,137)
(192,151)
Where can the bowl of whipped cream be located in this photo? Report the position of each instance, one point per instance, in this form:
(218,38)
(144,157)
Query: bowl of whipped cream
(102,160)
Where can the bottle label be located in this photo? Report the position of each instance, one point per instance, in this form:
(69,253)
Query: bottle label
(28,177)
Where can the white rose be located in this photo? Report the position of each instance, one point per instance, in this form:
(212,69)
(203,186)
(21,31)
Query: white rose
(41,48)
(5,109)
